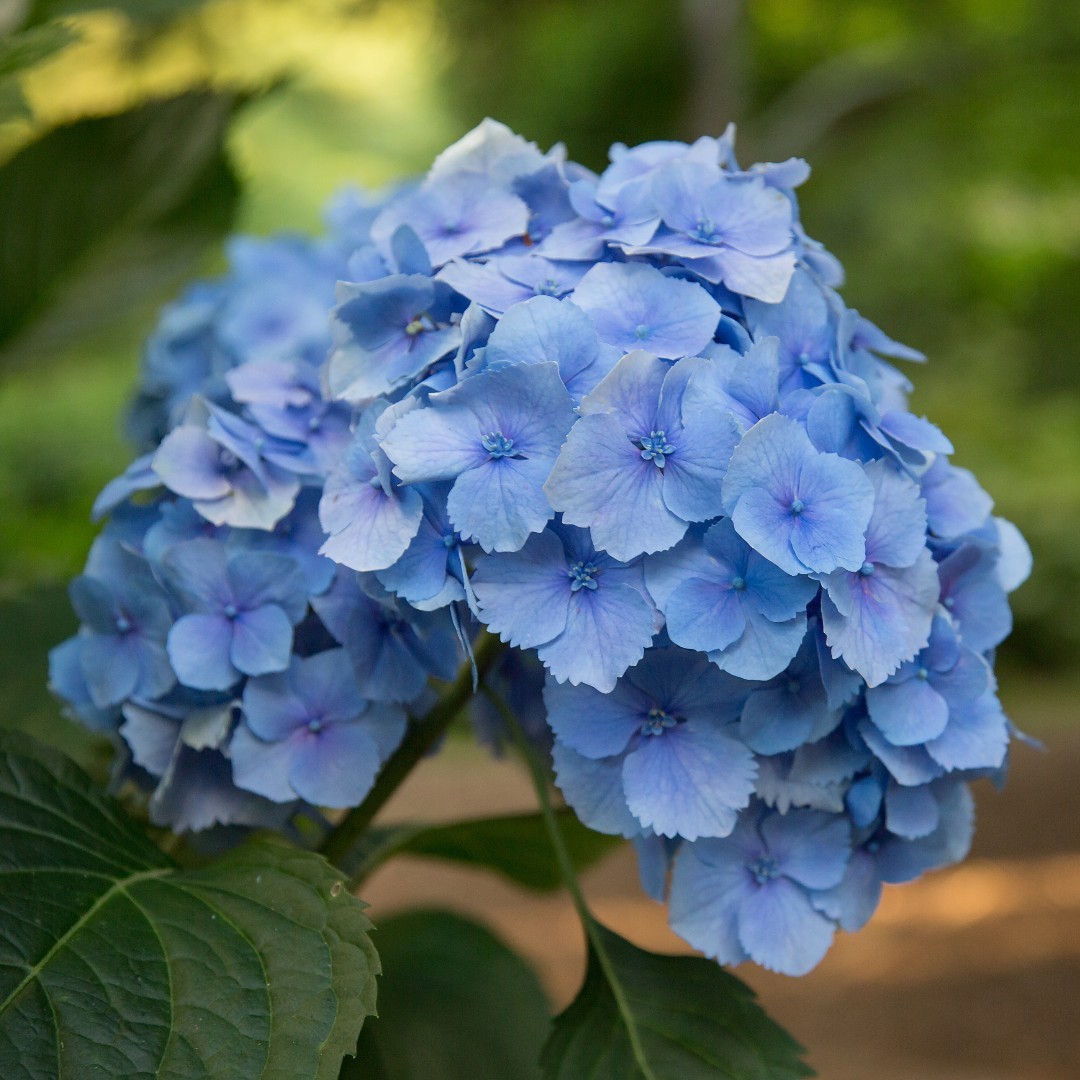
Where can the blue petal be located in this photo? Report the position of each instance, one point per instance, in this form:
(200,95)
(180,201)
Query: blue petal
(876,622)
(689,781)
(634,306)
(607,630)
(524,596)
(199,648)
(594,789)
(780,929)
(261,640)
(909,712)
(595,724)
(810,847)
(601,482)
(335,767)
(706,897)
(910,812)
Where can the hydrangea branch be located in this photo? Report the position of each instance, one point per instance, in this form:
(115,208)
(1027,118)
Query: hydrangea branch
(566,866)
(422,735)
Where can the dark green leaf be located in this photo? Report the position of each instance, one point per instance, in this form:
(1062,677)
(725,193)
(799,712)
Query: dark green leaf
(454,1004)
(21,51)
(115,963)
(517,846)
(644,1016)
(115,201)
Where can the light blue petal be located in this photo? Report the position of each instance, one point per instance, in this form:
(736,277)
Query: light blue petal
(890,613)
(810,846)
(706,897)
(689,781)
(607,630)
(261,641)
(909,712)
(594,789)
(501,502)
(336,766)
(781,931)
(199,648)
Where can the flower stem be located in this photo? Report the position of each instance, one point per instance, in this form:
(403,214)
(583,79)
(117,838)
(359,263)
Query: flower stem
(566,866)
(422,735)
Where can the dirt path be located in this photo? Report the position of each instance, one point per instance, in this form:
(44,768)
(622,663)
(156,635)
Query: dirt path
(970,974)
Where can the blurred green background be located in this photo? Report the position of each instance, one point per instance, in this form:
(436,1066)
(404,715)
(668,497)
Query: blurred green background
(944,137)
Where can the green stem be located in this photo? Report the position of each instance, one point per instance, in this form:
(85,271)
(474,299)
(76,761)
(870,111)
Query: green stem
(422,735)
(566,867)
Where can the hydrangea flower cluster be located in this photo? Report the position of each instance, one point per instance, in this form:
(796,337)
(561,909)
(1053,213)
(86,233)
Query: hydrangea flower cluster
(626,423)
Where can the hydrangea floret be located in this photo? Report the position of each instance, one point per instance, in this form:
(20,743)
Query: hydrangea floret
(620,423)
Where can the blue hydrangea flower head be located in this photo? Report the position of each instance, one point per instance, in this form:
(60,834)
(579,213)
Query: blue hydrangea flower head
(626,422)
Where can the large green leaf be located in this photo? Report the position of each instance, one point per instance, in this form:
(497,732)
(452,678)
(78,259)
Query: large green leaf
(455,1004)
(516,846)
(113,962)
(643,1016)
(122,203)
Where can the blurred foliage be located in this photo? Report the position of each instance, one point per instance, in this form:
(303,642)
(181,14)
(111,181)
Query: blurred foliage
(946,179)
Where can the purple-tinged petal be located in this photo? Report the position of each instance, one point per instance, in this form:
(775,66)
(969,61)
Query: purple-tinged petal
(189,463)
(262,767)
(908,765)
(896,533)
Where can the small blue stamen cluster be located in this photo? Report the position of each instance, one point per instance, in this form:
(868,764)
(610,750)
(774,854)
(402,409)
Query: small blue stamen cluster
(626,422)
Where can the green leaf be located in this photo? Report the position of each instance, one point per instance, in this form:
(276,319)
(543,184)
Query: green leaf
(455,1004)
(115,963)
(644,1016)
(18,52)
(516,846)
(121,202)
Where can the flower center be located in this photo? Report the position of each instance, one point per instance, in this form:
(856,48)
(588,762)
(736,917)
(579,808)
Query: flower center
(705,231)
(738,584)
(655,448)
(922,673)
(231,611)
(797,507)
(583,576)
(498,445)
(123,624)
(764,869)
(547,287)
(867,569)
(314,726)
(657,722)
(641,331)
(227,459)
(449,540)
